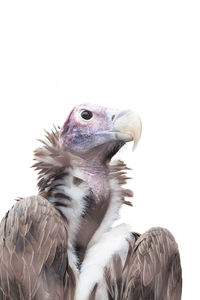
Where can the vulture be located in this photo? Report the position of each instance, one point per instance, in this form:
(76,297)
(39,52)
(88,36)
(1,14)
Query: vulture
(62,244)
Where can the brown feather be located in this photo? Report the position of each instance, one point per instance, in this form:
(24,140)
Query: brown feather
(151,270)
(33,252)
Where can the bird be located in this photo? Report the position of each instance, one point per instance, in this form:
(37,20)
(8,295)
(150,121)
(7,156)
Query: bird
(63,244)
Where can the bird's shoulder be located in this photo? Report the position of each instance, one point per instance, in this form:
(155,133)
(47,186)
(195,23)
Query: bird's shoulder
(33,237)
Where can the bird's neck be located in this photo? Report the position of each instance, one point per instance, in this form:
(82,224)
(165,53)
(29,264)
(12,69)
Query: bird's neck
(97,176)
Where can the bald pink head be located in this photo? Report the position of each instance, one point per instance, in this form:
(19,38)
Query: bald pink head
(92,129)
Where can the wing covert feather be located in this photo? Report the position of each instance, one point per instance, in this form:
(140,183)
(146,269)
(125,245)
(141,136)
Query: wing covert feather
(151,271)
(154,269)
(33,252)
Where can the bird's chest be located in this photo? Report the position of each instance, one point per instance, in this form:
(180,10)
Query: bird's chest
(90,223)
(84,201)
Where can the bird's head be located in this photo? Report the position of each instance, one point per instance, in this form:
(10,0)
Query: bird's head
(98,132)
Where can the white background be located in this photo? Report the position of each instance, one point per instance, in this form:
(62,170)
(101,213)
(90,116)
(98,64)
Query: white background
(143,55)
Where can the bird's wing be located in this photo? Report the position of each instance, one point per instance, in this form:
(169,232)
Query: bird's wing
(152,269)
(33,253)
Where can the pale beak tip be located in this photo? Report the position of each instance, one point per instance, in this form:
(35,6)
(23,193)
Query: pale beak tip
(134,145)
(129,126)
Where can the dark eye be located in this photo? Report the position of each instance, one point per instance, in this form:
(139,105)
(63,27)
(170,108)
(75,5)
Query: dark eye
(86,114)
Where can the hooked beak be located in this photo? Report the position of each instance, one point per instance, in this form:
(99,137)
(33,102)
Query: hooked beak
(128,127)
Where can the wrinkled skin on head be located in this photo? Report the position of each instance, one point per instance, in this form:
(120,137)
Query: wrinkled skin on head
(81,135)
(90,130)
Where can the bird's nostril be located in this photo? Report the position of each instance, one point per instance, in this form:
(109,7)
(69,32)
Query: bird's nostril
(113,116)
